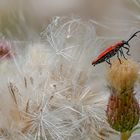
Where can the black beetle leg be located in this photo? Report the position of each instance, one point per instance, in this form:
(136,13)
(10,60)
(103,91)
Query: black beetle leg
(128,50)
(108,61)
(122,54)
(118,57)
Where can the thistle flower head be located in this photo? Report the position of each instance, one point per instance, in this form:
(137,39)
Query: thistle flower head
(122,76)
(123,109)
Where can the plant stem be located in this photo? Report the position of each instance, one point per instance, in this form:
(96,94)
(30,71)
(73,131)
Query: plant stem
(124,136)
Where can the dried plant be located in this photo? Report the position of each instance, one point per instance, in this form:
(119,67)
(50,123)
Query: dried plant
(50,95)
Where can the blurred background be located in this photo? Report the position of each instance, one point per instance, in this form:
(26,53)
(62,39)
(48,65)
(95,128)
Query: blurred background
(26,19)
(21,18)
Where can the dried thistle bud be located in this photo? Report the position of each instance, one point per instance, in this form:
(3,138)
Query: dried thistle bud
(123,108)
(122,76)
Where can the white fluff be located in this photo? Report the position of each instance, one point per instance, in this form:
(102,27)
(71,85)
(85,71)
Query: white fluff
(55,93)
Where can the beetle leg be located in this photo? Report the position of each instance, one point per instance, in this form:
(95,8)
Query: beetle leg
(122,54)
(121,51)
(128,50)
(118,57)
(108,61)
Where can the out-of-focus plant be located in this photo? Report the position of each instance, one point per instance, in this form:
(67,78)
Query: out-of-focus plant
(54,93)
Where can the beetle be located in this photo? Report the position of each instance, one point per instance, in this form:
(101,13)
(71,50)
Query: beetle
(113,50)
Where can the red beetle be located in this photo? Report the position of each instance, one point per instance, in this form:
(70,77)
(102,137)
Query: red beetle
(113,50)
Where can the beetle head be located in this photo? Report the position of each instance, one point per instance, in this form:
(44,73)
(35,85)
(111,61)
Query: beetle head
(93,63)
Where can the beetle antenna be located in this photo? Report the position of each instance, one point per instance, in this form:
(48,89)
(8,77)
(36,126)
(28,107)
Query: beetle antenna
(132,36)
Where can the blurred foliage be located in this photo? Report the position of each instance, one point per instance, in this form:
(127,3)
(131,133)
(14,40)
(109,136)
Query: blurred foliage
(16,24)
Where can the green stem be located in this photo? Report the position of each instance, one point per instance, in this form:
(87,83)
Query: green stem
(124,136)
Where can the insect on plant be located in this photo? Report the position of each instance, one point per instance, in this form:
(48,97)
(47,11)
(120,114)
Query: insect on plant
(113,50)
